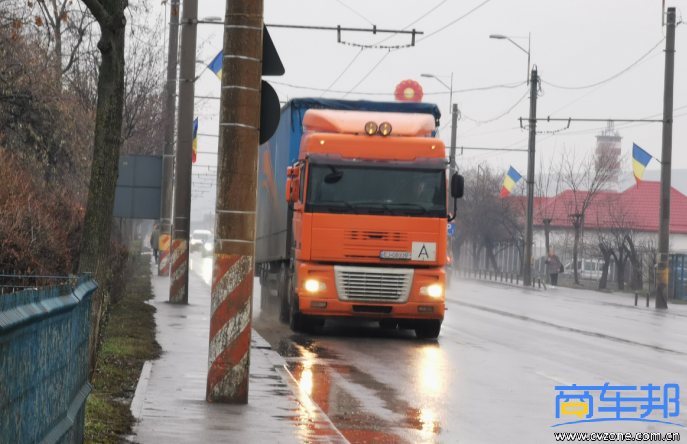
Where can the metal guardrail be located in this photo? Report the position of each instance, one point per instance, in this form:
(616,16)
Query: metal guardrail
(497,276)
(44,336)
(11,281)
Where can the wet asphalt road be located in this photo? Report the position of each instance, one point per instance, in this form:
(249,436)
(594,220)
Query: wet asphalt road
(490,376)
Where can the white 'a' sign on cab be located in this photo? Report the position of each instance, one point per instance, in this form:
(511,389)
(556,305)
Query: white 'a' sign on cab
(424,251)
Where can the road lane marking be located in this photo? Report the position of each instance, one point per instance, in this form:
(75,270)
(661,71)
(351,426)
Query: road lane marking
(569,329)
(553,378)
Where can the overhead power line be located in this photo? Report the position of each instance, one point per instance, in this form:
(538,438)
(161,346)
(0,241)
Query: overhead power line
(481,88)
(411,24)
(342,72)
(370,72)
(354,11)
(455,21)
(610,78)
(500,115)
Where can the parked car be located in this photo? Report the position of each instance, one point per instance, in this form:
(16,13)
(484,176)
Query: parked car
(198,239)
(589,269)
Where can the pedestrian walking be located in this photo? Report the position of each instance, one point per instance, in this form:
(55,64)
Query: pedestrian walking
(553,267)
(155,241)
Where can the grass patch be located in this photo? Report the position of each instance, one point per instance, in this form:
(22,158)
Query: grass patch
(128,341)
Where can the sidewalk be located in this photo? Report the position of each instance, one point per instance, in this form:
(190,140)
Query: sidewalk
(170,405)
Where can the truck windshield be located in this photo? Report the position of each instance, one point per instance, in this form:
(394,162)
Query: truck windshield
(370,190)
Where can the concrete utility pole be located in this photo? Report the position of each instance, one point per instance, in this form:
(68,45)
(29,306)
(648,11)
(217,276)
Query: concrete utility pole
(666,159)
(454,128)
(182,192)
(168,154)
(235,213)
(527,275)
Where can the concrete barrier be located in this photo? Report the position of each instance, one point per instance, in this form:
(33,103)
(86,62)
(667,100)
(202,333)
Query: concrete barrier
(44,363)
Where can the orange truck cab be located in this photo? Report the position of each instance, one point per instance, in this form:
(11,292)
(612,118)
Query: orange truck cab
(368,197)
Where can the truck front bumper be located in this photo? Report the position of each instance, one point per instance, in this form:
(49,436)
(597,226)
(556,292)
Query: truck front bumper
(325,301)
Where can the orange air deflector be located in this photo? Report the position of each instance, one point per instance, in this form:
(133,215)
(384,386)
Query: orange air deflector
(353,122)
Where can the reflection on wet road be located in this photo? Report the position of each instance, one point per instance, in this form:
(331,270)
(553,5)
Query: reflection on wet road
(490,377)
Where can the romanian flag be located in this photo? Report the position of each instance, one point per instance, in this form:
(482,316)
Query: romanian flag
(640,159)
(216,64)
(195,139)
(509,182)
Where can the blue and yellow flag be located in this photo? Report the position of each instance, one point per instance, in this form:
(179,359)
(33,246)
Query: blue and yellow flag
(509,182)
(216,64)
(195,139)
(640,159)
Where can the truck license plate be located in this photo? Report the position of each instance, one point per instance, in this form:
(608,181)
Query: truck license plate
(407,255)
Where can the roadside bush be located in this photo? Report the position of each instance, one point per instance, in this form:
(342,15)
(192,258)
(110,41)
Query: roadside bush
(39,226)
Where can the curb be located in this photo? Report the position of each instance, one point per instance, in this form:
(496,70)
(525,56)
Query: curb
(141,388)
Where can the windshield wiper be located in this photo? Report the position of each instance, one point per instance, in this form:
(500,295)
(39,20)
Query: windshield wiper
(383,205)
(422,207)
(338,202)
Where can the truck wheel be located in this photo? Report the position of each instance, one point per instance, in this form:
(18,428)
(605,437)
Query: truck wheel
(428,329)
(264,292)
(297,321)
(388,324)
(283,293)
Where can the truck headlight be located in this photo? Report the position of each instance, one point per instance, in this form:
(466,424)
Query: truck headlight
(208,246)
(313,286)
(434,291)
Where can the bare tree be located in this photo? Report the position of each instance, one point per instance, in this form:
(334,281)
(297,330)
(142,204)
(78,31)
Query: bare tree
(585,176)
(547,180)
(95,243)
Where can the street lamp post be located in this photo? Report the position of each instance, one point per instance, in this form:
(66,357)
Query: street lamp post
(527,269)
(453,108)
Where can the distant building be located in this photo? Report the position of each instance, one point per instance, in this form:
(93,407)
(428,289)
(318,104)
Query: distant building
(608,148)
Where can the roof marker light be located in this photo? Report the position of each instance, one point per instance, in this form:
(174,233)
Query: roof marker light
(385,128)
(321,142)
(370,128)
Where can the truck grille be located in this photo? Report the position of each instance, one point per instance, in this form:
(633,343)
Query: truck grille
(373,284)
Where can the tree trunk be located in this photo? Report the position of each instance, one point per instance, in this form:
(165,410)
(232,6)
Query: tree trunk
(489,251)
(95,245)
(606,253)
(547,231)
(576,244)
(636,276)
(620,270)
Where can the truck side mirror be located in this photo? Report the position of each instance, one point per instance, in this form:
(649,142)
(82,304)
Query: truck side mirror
(288,171)
(457,186)
(288,188)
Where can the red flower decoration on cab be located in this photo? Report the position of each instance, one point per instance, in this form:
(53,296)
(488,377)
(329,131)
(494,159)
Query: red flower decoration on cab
(408,91)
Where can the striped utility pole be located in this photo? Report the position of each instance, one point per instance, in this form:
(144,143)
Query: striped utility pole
(235,214)
(178,292)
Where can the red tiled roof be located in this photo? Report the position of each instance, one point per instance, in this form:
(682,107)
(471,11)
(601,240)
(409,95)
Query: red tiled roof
(636,207)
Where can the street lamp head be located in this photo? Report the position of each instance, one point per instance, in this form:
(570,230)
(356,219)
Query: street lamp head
(497,36)
(212,19)
(426,75)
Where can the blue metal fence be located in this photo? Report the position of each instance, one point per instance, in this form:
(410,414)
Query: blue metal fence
(44,363)
(676,277)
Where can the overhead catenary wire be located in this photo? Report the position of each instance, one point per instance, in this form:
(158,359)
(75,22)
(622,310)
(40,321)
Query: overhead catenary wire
(500,115)
(354,11)
(454,21)
(411,24)
(610,78)
(368,74)
(342,72)
(371,93)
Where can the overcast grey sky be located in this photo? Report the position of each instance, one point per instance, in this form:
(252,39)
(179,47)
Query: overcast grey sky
(574,43)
